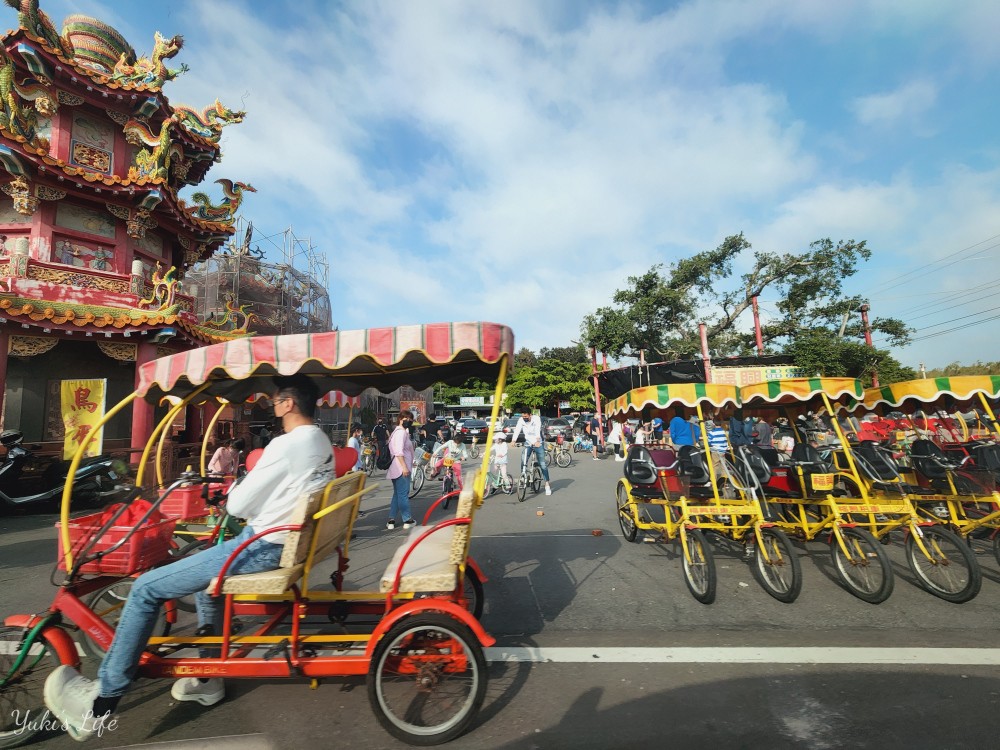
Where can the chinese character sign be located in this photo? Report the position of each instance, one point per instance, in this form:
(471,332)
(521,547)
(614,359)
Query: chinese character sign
(82,410)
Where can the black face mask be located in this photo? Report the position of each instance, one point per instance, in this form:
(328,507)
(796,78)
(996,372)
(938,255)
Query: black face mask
(407,423)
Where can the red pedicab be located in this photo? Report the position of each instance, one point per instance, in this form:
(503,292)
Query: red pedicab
(420,645)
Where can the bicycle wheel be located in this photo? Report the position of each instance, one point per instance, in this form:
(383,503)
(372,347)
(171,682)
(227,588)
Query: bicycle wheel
(866,573)
(472,587)
(107,603)
(563,459)
(370,464)
(699,571)
(21,694)
(536,480)
(474,450)
(781,574)
(427,679)
(522,487)
(625,520)
(416,480)
(506,483)
(951,572)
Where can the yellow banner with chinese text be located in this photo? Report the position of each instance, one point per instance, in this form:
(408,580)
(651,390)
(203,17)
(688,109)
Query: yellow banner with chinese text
(83,403)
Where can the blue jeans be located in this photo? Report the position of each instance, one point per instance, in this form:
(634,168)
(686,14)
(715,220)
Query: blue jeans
(189,575)
(539,456)
(400,504)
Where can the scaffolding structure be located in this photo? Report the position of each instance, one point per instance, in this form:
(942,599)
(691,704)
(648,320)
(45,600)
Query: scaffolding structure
(280,279)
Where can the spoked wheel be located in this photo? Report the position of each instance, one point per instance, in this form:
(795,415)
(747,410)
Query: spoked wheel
(427,679)
(416,480)
(625,520)
(21,695)
(472,588)
(506,483)
(474,450)
(536,480)
(447,485)
(951,572)
(370,464)
(522,487)
(866,573)
(780,574)
(563,459)
(699,571)
(107,603)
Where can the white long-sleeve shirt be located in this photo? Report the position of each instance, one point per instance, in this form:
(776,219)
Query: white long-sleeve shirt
(268,494)
(532,431)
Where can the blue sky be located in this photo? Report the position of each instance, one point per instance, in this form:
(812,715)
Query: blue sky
(517,161)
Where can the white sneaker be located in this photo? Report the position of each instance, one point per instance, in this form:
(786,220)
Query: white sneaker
(70,697)
(409,524)
(548,490)
(390,525)
(596,458)
(192,689)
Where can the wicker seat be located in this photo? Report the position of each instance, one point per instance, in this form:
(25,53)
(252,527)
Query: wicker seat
(329,532)
(433,564)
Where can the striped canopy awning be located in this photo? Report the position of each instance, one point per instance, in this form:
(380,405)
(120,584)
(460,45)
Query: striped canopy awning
(792,390)
(660,396)
(347,361)
(929,390)
(329,399)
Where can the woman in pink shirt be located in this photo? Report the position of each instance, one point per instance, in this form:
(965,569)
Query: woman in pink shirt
(401,450)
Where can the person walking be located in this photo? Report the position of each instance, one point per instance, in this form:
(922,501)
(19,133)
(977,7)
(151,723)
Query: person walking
(615,438)
(354,441)
(594,430)
(401,449)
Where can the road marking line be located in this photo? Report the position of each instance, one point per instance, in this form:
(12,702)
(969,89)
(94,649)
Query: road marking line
(747,655)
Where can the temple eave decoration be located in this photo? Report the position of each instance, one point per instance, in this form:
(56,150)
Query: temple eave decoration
(83,316)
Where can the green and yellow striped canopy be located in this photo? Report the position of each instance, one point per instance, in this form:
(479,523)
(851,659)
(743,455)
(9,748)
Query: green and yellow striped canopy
(660,396)
(929,390)
(792,390)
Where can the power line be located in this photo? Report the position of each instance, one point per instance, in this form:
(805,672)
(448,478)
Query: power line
(956,328)
(899,279)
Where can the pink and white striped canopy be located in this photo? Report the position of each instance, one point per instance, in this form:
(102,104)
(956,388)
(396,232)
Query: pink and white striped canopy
(347,361)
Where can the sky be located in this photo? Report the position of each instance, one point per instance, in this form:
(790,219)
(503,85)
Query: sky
(517,161)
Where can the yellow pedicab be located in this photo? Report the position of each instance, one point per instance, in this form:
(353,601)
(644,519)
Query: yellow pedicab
(861,507)
(684,485)
(958,478)
(418,640)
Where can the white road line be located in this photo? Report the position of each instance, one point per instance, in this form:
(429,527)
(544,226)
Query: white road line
(747,655)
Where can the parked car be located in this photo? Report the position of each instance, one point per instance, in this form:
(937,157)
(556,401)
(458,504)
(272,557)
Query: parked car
(558,426)
(508,429)
(473,428)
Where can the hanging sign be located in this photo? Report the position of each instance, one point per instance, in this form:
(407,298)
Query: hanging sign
(83,403)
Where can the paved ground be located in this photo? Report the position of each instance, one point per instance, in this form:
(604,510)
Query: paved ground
(601,646)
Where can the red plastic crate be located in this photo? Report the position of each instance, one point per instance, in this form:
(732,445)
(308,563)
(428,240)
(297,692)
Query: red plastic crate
(147,547)
(186,502)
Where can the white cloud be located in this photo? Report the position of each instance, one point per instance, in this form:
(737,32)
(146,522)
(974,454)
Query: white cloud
(909,101)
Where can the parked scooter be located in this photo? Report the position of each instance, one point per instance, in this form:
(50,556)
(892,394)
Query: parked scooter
(27,479)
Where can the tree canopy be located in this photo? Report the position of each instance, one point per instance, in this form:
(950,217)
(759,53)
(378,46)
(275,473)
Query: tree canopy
(659,311)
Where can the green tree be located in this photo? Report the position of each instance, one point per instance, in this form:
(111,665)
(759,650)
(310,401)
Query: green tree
(548,382)
(660,310)
(819,353)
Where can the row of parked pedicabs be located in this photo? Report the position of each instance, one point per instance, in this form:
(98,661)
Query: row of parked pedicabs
(927,482)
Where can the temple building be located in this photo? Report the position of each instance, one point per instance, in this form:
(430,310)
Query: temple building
(95,240)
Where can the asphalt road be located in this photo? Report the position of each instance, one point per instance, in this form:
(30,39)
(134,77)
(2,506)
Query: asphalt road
(600,645)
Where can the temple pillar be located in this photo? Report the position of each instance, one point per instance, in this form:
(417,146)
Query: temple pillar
(142,411)
(4,345)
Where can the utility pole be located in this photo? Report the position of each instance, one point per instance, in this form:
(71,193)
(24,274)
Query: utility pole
(706,360)
(756,327)
(597,395)
(868,338)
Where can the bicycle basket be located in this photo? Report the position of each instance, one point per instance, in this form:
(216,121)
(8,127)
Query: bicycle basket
(449,461)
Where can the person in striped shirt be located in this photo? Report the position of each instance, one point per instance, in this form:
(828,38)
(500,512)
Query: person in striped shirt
(718,444)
